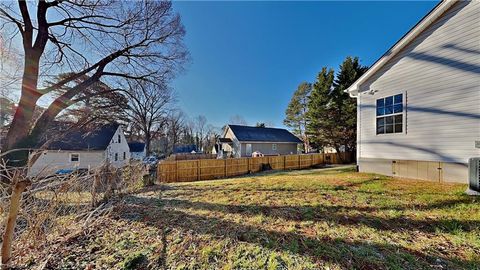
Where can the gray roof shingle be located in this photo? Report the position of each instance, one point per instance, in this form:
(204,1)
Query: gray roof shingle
(263,134)
(136,146)
(81,139)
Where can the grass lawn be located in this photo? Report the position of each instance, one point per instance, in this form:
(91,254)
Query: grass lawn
(310,219)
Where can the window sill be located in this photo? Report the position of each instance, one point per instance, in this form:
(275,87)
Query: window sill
(391,134)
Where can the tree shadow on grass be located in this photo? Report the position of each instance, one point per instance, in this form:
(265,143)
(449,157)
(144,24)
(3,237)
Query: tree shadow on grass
(333,213)
(187,190)
(349,254)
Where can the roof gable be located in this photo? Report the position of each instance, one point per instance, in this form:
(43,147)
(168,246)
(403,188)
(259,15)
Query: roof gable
(81,139)
(263,134)
(438,11)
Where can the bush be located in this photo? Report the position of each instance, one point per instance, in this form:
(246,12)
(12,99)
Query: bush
(134,261)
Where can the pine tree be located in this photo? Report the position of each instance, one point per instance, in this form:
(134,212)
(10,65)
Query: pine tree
(332,113)
(329,115)
(344,110)
(295,114)
(318,119)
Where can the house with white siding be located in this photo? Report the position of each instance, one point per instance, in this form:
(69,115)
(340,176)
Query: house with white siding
(83,150)
(241,141)
(418,113)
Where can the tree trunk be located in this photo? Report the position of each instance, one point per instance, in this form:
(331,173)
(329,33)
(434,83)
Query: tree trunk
(21,123)
(11,221)
(147,143)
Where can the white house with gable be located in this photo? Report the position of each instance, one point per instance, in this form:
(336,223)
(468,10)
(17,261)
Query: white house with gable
(418,113)
(83,150)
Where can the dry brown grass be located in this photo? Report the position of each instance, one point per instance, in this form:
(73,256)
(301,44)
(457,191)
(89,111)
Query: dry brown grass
(59,207)
(313,219)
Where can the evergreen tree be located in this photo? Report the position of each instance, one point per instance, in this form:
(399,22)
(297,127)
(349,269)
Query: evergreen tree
(295,114)
(344,111)
(327,113)
(318,118)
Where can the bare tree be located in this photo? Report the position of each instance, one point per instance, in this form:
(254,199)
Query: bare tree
(9,77)
(148,108)
(213,134)
(200,130)
(97,104)
(237,120)
(175,126)
(188,136)
(104,39)
(10,67)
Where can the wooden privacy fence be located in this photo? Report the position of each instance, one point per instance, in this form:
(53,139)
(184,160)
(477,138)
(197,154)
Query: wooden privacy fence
(190,156)
(206,169)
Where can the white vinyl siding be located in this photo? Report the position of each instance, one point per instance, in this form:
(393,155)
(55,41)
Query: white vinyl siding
(116,147)
(51,161)
(440,71)
(266,148)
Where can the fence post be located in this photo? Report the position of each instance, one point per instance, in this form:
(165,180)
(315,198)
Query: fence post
(284,162)
(248,165)
(199,170)
(299,163)
(225,168)
(176,170)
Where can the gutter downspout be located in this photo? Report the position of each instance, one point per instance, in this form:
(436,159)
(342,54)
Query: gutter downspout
(359,135)
(355,94)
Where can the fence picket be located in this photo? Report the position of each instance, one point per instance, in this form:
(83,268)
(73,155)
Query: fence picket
(206,169)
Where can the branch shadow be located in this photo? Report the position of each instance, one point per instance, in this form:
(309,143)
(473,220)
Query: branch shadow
(450,62)
(424,149)
(348,254)
(334,213)
(461,49)
(431,110)
(422,56)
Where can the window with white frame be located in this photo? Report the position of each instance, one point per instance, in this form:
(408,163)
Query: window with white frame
(119,138)
(274,146)
(390,114)
(74,157)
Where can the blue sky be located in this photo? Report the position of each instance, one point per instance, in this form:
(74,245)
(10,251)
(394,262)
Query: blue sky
(249,57)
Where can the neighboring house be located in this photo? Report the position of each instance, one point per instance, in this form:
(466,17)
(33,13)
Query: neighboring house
(84,150)
(185,149)
(137,150)
(419,105)
(242,141)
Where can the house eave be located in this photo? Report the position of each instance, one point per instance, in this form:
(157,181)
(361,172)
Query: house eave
(425,22)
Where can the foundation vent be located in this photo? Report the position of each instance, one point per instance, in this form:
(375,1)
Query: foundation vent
(474,173)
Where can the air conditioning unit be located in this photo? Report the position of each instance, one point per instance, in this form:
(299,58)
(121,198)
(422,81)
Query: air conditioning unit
(474,173)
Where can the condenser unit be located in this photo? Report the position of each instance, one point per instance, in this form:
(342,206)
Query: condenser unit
(474,173)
